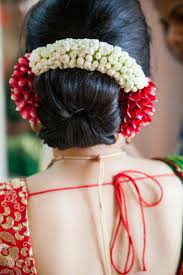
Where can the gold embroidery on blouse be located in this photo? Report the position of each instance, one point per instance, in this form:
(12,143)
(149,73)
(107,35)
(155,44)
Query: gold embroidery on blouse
(24,251)
(3,260)
(24,224)
(18,236)
(1,218)
(21,194)
(19,263)
(28,261)
(18,216)
(6,211)
(33,270)
(24,201)
(17,183)
(16,271)
(26,270)
(8,224)
(30,252)
(8,186)
(7,237)
(18,227)
(9,256)
(2,186)
(13,253)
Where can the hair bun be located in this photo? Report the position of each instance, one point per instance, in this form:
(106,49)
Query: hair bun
(80,108)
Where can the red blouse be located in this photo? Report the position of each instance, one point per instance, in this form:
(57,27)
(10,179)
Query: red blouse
(16,256)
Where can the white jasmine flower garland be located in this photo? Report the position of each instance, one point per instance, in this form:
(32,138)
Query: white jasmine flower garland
(92,55)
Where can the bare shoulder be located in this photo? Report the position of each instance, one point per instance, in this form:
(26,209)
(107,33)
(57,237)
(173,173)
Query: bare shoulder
(39,181)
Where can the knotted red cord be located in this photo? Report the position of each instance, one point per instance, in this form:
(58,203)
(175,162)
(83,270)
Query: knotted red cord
(119,180)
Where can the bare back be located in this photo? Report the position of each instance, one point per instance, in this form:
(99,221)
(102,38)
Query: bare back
(65,226)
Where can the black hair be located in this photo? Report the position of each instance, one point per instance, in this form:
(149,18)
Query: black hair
(176,13)
(79,108)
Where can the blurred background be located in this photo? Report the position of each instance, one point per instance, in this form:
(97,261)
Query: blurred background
(21,152)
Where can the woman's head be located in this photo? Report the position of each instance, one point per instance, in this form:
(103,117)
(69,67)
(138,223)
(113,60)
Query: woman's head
(80,108)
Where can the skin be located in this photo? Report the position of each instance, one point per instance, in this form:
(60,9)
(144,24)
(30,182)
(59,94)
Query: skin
(65,226)
(175,39)
(24,6)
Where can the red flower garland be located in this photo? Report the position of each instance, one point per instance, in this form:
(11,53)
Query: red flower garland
(137,107)
(23,93)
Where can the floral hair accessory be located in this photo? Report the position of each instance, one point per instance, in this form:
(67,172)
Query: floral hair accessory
(23,93)
(137,92)
(92,55)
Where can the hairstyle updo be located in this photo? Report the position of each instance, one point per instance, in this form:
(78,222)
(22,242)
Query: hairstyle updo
(79,108)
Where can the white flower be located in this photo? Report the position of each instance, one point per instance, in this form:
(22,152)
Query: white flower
(90,51)
(98,56)
(36,72)
(134,89)
(65,59)
(117,66)
(72,63)
(137,71)
(117,51)
(51,47)
(103,60)
(113,59)
(101,68)
(111,72)
(50,62)
(130,72)
(117,75)
(73,46)
(87,65)
(80,61)
(38,66)
(123,70)
(126,89)
(65,44)
(124,56)
(55,56)
(89,58)
(108,66)
(95,64)
(121,81)
(73,54)
(44,53)
(105,48)
(62,51)
(57,63)
(128,62)
(66,66)
(44,63)
(139,82)
(129,85)
(35,57)
(94,44)
(81,52)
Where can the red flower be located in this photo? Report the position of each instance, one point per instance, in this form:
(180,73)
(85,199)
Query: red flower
(137,109)
(23,93)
